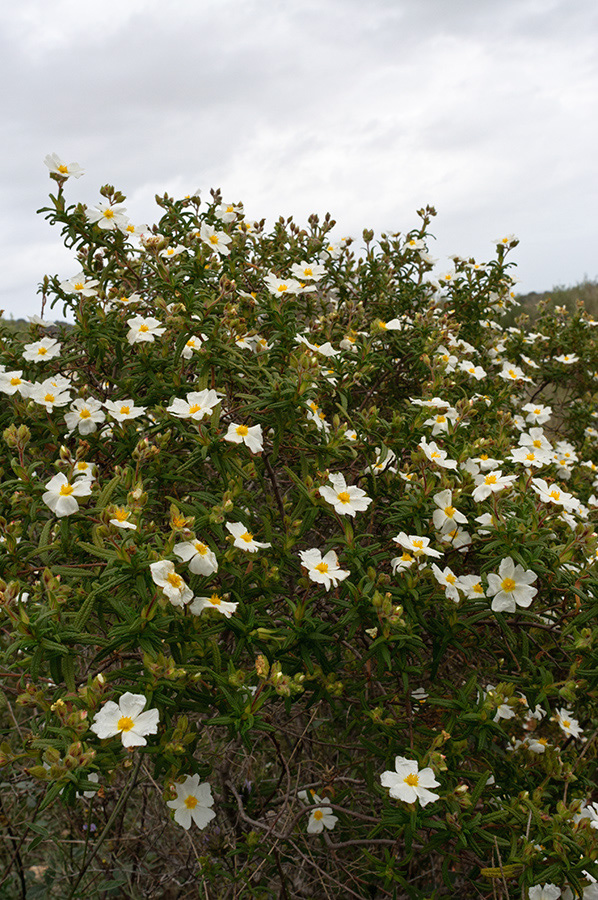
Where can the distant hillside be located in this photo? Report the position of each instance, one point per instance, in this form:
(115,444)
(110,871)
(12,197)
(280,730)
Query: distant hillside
(586,291)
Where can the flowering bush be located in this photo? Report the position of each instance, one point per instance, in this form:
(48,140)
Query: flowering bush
(291,536)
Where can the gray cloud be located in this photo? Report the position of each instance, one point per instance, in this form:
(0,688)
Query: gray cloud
(484,109)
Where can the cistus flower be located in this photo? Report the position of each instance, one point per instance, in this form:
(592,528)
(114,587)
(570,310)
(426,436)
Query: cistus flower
(193,803)
(121,410)
(319,818)
(197,405)
(175,588)
(202,560)
(250,435)
(323,570)
(85,415)
(511,587)
(409,784)
(567,723)
(65,170)
(347,500)
(243,539)
(127,719)
(107,217)
(216,240)
(214,601)
(143,329)
(60,494)
(81,285)
(39,351)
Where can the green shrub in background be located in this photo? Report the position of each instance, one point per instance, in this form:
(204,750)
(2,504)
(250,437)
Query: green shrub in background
(298,570)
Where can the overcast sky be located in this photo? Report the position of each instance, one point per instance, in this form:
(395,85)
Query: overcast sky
(485,109)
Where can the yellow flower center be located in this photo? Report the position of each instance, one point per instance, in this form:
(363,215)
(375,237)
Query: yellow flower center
(215,600)
(282,288)
(190,802)
(512,373)
(79,285)
(451,578)
(490,479)
(537,443)
(242,430)
(322,567)
(195,407)
(130,228)
(441,419)
(201,548)
(125,723)
(41,351)
(125,410)
(555,495)
(318,814)
(108,214)
(85,414)
(64,170)
(143,328)
(213,238)
(412,779)
(247,537)
(449,511)
(308,271)
(507,584)
(531,455)
(434,454)
(478,588)
(121,515)
(418,543)
(344,497)
(174,579)
(66,490)
(49,398)
(15,381)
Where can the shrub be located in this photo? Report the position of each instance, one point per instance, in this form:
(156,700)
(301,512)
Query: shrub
(299,569)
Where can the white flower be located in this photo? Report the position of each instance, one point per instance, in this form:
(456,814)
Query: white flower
(409,784)
(121,519)
(446,517)
(58,167)
(121,410)
(202,560)
(471,585)
(567,358)
(416,545)
(216,602)
(60,494)
(47,348)
(550,493)
(537,414)
(511,372)
(46,394)
(164,575)
(250,435)
(243,539)
(282,286)
(535,440)
(544,892)
(197,405)
(476,372)
(85,415)
(319,818)
(530,457)
(81,285)
(507,241)
(170,252)
(323,570)
(347,500)
(511,587)
(194,343)
(448,580)
(11,382)
(216,240)
(107,217)
(128,719)
(228,212)
(567,723)
(436,455)
(491,483)
(143,329)
(193,803)
(306,271)
(381,463)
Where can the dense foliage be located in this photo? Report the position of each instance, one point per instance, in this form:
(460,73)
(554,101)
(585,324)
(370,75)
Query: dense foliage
(299,542)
